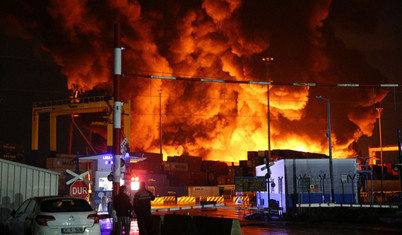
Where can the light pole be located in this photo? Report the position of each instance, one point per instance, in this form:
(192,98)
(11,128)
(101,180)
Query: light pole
(160,120)
(379,110)
(331,171)
(268,61)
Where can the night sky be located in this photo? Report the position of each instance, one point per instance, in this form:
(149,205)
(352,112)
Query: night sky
(45,47)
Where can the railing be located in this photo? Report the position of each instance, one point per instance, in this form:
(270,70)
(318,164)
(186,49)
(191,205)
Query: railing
(70,101)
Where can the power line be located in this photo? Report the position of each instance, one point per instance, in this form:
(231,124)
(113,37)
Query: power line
(311,84)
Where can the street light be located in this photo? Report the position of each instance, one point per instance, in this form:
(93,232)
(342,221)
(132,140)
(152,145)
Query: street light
(379,110)
(160,120)
(268,60)
(331,172)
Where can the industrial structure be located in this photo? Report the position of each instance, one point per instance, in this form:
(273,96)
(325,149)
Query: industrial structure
(73,107)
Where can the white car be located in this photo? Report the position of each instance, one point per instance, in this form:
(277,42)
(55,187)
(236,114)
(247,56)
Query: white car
(54,215)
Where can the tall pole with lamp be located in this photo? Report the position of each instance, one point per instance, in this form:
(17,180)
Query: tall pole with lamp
(268,61)
(160,121)
(379,110)
(331,170)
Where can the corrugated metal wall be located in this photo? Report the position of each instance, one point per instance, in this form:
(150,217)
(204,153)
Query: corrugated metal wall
(19,182)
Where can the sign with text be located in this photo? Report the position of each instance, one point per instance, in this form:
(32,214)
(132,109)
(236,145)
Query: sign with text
(250,184)
(79,189)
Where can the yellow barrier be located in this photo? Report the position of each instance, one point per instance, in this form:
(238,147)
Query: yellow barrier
(215,199)
(158,201)
(169,200)
(186,200)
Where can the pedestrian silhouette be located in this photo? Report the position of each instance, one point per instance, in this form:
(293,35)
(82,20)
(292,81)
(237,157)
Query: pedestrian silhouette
(142,208)
(123,207)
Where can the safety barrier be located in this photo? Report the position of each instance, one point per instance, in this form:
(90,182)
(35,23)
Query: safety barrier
(182,224)
(158,201)
(186,200)
(169,200)
(220,205)
(215,199)
(323,205)
(243,198)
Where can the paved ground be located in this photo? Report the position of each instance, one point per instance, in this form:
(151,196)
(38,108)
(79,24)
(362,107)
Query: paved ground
(254,227)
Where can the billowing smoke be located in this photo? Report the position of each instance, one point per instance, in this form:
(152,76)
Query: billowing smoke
(222,39)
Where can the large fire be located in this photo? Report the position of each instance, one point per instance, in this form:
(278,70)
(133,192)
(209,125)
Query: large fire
(222,39)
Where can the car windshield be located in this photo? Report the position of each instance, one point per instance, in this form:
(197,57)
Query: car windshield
(65,205)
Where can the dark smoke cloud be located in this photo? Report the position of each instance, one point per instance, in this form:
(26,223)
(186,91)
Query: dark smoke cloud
(220,39)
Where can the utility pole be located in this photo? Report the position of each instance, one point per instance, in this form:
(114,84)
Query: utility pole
(268,60)
(398,131)
(379,110)
(117,109)
(329,134)
(160,120)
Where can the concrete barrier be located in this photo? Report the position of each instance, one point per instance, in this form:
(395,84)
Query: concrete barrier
(158,201)
(215,199)
(182,224)
(185,200)
(169,200)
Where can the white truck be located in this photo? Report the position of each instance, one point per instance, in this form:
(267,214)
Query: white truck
(19,182)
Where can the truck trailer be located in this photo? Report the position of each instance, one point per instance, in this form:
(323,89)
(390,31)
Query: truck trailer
(294,181)
(19,182)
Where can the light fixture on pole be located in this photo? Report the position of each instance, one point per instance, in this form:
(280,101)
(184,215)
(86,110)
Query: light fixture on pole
(160,120)
(268,61)
(379,110)
(331,172)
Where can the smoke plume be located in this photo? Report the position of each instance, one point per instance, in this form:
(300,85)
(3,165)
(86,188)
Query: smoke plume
(221,39)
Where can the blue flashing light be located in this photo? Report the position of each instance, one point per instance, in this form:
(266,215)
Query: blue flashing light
(108,162)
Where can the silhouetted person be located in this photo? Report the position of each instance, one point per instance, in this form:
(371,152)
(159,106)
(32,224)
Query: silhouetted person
(142,208)
(123,207)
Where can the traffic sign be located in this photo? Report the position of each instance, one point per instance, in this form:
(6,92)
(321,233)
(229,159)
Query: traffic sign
(238,201)
(78,177)
(79,189)
(250,184)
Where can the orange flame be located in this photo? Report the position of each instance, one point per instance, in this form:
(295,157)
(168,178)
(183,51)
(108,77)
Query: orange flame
(216,39)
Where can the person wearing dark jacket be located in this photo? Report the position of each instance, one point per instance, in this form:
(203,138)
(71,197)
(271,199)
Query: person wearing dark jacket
(142,208)
(123,207)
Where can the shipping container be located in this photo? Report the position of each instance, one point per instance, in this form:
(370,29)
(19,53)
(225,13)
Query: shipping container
(227,190)
(190,178)
(63,163)
(177,191)
(175,166)
(155,179)
(197,191)
(19,182)
(12,152)
(153,162)
(194,163)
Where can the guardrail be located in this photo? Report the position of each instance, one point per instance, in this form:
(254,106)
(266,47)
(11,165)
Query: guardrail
(88,99)
(221,205)
(327,205)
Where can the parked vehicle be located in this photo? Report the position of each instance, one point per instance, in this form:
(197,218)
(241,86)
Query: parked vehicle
(54,215)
